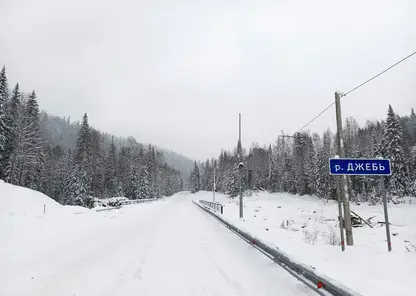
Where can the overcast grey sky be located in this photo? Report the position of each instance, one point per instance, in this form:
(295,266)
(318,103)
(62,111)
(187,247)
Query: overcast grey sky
(176,73)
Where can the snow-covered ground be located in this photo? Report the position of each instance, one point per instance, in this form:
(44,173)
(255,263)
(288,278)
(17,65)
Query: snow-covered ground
(168,247)
(306,228)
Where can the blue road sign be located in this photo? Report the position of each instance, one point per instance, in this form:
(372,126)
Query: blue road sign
(357,166)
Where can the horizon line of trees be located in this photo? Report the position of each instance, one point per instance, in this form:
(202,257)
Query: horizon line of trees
(73,176)
(300,165)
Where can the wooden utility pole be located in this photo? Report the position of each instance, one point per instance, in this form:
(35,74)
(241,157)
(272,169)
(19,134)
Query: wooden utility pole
(343,179)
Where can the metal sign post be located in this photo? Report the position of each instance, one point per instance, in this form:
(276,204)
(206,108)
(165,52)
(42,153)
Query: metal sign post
(386,215)
(341,227)
(364,167)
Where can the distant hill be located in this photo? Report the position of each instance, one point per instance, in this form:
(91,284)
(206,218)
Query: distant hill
(61,131)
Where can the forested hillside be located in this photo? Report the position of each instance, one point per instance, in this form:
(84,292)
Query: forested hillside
(70,161)
(63,132)
(299,165)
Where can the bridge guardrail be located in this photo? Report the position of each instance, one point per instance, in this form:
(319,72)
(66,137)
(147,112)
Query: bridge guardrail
(136,201)
(307,273)
(213,205)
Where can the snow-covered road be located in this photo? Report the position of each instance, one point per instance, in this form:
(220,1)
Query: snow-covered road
(169,247)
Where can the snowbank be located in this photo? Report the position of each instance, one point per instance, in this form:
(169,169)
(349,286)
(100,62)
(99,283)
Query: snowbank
(306,228)
(37,247)
(16,200)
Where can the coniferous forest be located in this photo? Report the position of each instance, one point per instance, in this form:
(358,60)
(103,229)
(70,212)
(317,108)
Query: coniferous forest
(72,162)
(299,165)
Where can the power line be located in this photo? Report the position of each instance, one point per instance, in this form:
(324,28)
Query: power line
(313,119)
(374,77)
(355,88)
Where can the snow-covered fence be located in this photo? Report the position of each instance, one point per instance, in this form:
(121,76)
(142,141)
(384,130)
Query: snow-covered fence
(105,209)
(213,205)
(121,203)
(136,201)
(303,272)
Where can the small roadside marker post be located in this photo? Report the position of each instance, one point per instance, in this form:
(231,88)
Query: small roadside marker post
(364,167)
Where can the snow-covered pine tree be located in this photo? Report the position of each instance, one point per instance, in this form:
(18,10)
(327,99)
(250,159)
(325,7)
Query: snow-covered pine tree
(314,169)
(394,151)
(32,161)
(309,160)
(4,96)
(46,173)
(136,189)
(77,191)
(300,152)
(324,182)
(124,169)
(206,176)
(256,163)
(280,163)
(375,145)
(272,171)
(140,185)
(78,186)
(382,148)
(374,191)
(288,175)
(143,185)
(12,120)
(357,189)
(178,182)
(412,189)
(212,165)
(51,177)
(169,182)
(233,183)
(220,173)
(412,128)
(168,187)
(350,137)
(61,177)
(110,181)
(195,179)
(358,184)
(157,183)
(150,173)
(97,164)
(81,156)
(38,174)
